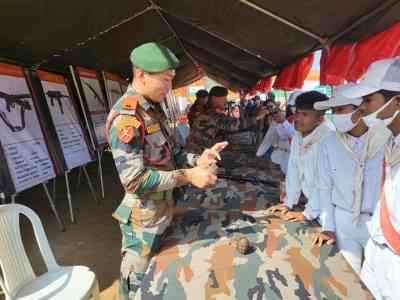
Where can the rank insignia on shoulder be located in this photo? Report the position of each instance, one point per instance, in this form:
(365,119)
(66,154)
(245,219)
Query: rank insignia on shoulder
(153,128)
(126,134)
(130,103)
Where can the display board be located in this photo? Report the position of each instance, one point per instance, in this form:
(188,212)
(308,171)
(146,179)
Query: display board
(21,136)
(95,101)
(65,119)
(115,90)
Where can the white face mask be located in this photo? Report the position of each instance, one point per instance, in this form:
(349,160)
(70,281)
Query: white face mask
(388,121)
(343,122)
(371,120)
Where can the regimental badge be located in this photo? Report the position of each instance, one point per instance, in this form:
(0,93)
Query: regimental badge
(126,127)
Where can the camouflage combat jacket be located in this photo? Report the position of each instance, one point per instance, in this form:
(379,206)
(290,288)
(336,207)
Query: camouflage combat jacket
(212,127)
(147,159)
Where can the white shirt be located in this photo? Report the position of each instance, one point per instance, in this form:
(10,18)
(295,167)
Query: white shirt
(278,136)
(393,206)
(302,171)
(336,169)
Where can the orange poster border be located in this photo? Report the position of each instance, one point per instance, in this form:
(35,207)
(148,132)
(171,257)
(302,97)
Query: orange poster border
(88,73)
(51,77)
(11,70)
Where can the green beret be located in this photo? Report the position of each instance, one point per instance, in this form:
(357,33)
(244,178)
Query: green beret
(153,58)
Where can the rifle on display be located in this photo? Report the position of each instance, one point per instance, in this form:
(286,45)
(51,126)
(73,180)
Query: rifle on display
(11,102)
(57,96)
(250,179)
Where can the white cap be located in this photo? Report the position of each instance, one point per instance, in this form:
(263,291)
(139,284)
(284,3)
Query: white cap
(381,75)
(338,99)
(293,96)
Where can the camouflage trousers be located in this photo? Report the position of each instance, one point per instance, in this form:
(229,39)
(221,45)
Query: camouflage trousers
(133,269)
(144,225)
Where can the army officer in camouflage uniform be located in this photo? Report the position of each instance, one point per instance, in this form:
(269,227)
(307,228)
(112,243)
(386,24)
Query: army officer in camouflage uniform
(148,161)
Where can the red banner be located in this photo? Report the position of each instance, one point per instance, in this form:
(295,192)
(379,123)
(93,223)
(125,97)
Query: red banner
(383,45)
(335,64)
(293,76)
(263,85)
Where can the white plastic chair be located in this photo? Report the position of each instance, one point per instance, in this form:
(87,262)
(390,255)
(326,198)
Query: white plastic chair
(20,282)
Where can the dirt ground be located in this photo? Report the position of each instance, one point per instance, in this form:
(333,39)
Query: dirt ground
(94,240)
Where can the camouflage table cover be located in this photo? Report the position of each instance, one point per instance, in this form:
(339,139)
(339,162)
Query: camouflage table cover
(199,259)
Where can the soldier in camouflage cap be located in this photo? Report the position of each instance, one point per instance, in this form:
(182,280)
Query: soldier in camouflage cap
(149,163)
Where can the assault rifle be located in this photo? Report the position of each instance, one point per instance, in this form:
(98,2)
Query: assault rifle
(12,101)
(250,179)
(57,96)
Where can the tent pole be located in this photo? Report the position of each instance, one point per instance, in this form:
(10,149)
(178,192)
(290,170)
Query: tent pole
(158,10)
(284,21)
(377,10)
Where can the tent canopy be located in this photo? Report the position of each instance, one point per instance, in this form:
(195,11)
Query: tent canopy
(235,42)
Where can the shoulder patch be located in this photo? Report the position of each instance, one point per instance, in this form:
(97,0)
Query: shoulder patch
(130,102)
(126,126)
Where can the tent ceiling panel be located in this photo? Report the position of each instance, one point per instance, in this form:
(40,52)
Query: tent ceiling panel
(204,57)
(111,51)
(324,18)
(244,27)
(41,28)
(219,48)
(236,41)
(375,24)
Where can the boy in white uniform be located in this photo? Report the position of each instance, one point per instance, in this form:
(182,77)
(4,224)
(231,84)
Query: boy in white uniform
(302,169)
(381,269)
(348,165)
(279,135)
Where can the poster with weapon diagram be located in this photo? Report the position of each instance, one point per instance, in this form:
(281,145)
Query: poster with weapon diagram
(114,88)
(95,101)
(21,135)
(65,119)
